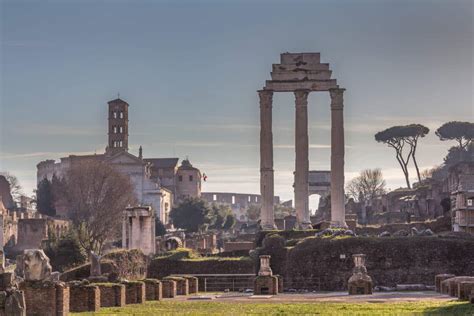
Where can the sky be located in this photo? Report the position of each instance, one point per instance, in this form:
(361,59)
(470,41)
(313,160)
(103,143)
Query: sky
(190,71)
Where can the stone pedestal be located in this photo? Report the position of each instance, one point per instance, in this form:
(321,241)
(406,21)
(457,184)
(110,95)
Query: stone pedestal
(134,292)
(169,288)
(153,290)
(84,298)
(440,278)
(265,283)
(111,294)
(360,283)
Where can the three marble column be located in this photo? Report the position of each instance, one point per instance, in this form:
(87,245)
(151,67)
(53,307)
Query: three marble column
(301,184)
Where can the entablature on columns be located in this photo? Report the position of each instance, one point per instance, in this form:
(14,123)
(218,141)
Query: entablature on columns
(300,71)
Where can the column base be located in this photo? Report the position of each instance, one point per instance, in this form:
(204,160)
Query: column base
(338,224)
(269,227)
(305,226)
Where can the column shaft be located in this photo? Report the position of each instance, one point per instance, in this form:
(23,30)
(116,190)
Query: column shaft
(301,159)
(337,158)
(266,160)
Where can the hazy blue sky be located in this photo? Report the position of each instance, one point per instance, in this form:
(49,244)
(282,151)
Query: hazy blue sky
(190,71)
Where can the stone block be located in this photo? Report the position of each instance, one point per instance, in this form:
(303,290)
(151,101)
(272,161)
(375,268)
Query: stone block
(153,290)
(33,265)
(169,288)
(265,285)
(134,292)
(360,286)
(7,279)
(84,298)
(111,294)
(440,278)
(464,289)
(44,298)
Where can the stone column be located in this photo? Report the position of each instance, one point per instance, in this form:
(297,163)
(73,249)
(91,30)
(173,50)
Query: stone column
(301,160)
(266,160)
(124,230)
(338,213)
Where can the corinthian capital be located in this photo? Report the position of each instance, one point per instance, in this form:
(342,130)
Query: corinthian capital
(337,97)
(301,97)
(266,96)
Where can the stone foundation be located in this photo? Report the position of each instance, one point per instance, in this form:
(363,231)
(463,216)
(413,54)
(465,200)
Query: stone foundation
(265,285)
(84,298)
(134,292)
(280,283)
(169,288)
(111,294)
(153,290)
(44,298)
(360,286)
(440,278)
(464,289)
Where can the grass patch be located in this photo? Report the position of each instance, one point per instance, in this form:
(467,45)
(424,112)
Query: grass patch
(170,307)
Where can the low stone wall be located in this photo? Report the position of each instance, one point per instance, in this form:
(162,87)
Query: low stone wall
(134,292)
(162,267)
(169,288)
(326,264)
(44,298)
(182,285)
(111,294)
(153,290)
(84,298)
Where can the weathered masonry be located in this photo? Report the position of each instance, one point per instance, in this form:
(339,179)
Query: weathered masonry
(301,73)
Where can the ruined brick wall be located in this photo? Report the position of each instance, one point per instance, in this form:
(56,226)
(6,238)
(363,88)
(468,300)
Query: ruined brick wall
(45,298)
(153,290)
(84,298)
(112,294)
(134,292)
(326,264)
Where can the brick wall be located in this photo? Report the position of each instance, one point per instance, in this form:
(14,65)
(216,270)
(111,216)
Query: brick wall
(45,298)
(84,298)
(111,294)
(169,288)
(134,292)
(153,290)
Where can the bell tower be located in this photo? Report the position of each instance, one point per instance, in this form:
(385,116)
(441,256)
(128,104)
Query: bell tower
(118,126)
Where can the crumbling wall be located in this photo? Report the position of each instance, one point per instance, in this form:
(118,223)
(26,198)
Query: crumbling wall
(326,264)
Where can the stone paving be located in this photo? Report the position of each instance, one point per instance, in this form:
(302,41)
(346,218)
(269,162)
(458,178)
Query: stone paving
(338,297)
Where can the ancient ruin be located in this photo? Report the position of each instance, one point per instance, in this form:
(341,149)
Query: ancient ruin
(301,73)
(138,229)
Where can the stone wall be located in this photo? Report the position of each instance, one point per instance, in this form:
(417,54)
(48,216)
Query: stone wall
(153,290)
(134,292)
(326,264)
(162,267)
